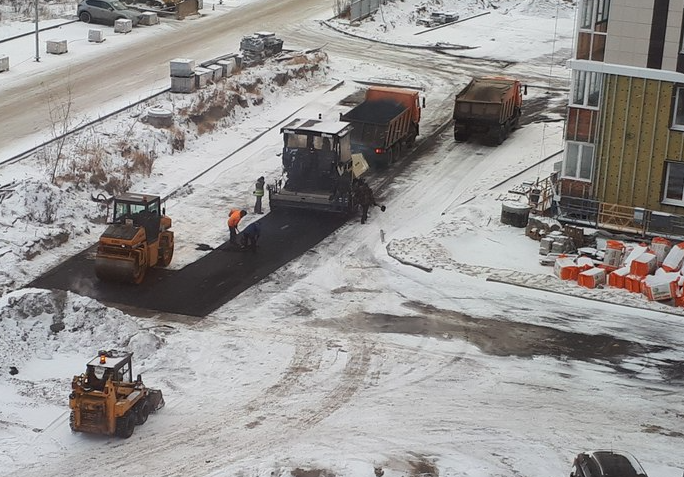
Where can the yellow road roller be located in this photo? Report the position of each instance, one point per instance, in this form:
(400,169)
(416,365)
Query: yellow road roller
(138,237)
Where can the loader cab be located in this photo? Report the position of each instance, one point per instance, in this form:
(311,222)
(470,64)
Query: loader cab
(114,365)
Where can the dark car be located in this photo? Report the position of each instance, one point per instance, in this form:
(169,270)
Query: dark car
(105,11)
(606,464)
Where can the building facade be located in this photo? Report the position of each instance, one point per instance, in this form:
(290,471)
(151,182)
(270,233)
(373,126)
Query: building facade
(623,166)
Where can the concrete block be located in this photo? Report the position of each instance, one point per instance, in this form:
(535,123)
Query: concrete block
(123,25)
(182,67)
(183,84)
(229,66)
(217,72)
(203,76)
(149,18)
(96,35)
(56,47)
(4,63)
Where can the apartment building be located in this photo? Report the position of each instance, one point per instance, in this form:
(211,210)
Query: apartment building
(623,166)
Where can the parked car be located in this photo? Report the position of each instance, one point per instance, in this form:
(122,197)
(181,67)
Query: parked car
(438,18)
(105,11)
(606,464)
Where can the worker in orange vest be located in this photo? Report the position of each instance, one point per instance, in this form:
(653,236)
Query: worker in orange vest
(234,218)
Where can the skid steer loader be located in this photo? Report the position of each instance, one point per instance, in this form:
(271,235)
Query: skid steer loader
(106,400)
(137,238)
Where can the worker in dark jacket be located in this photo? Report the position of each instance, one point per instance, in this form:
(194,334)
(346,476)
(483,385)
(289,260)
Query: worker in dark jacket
(234,218)
(250,236)
(258,193)
(363,195)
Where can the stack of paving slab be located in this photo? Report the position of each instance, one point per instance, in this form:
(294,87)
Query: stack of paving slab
(4,63)
(123,25)
(183,75)
(229,66)
(96,35)
(57,47)
(203,76)
(149,18)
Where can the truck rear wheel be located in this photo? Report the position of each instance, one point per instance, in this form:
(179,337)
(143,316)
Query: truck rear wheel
(460,135)
(72,421)
(125,425)
(501,135)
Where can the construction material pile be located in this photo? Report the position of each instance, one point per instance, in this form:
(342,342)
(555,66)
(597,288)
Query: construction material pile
(257,47)
(653,269)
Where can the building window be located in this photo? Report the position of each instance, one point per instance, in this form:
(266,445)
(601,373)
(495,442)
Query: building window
(586,89)
(579,160)
(674,183)
(593,25)
(678,116)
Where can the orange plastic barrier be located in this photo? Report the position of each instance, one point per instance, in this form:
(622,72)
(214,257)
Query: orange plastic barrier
(592,278)
(616,278)
(644,264)
(566,269)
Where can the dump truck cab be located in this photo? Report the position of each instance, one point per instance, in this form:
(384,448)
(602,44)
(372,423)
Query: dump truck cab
(318,167)
(106,400)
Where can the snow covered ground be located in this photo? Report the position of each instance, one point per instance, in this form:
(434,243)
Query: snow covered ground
(346,359)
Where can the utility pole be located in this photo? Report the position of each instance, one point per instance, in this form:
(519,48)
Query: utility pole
(37,42)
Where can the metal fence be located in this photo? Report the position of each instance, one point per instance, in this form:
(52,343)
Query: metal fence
(362,8)
(619,218)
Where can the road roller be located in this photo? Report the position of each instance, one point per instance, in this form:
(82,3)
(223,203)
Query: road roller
(137,238)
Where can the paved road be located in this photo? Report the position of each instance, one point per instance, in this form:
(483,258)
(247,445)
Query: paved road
(95,84)
(208,283)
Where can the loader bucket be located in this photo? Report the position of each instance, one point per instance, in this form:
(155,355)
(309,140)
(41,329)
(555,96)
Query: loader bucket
(155,399)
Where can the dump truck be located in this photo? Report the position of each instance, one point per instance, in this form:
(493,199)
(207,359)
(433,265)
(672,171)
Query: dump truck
(318,167)
(137,238)
(106,400)
(385,123)
(489,107)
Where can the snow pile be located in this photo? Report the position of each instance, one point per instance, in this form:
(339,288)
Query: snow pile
(35,217)
(473,30)
(43,322)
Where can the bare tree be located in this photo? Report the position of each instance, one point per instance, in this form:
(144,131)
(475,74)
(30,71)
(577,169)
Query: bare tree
(59,110)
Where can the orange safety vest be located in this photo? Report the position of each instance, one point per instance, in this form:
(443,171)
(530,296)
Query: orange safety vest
(234,218)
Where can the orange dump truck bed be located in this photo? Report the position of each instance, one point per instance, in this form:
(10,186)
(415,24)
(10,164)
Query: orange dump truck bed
(384,123)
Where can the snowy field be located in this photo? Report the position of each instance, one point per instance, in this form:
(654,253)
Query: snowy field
(346,359)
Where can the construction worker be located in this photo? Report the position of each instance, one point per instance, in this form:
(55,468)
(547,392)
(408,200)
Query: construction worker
(259,193)
(234,218)
(363,195)
(250,236)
